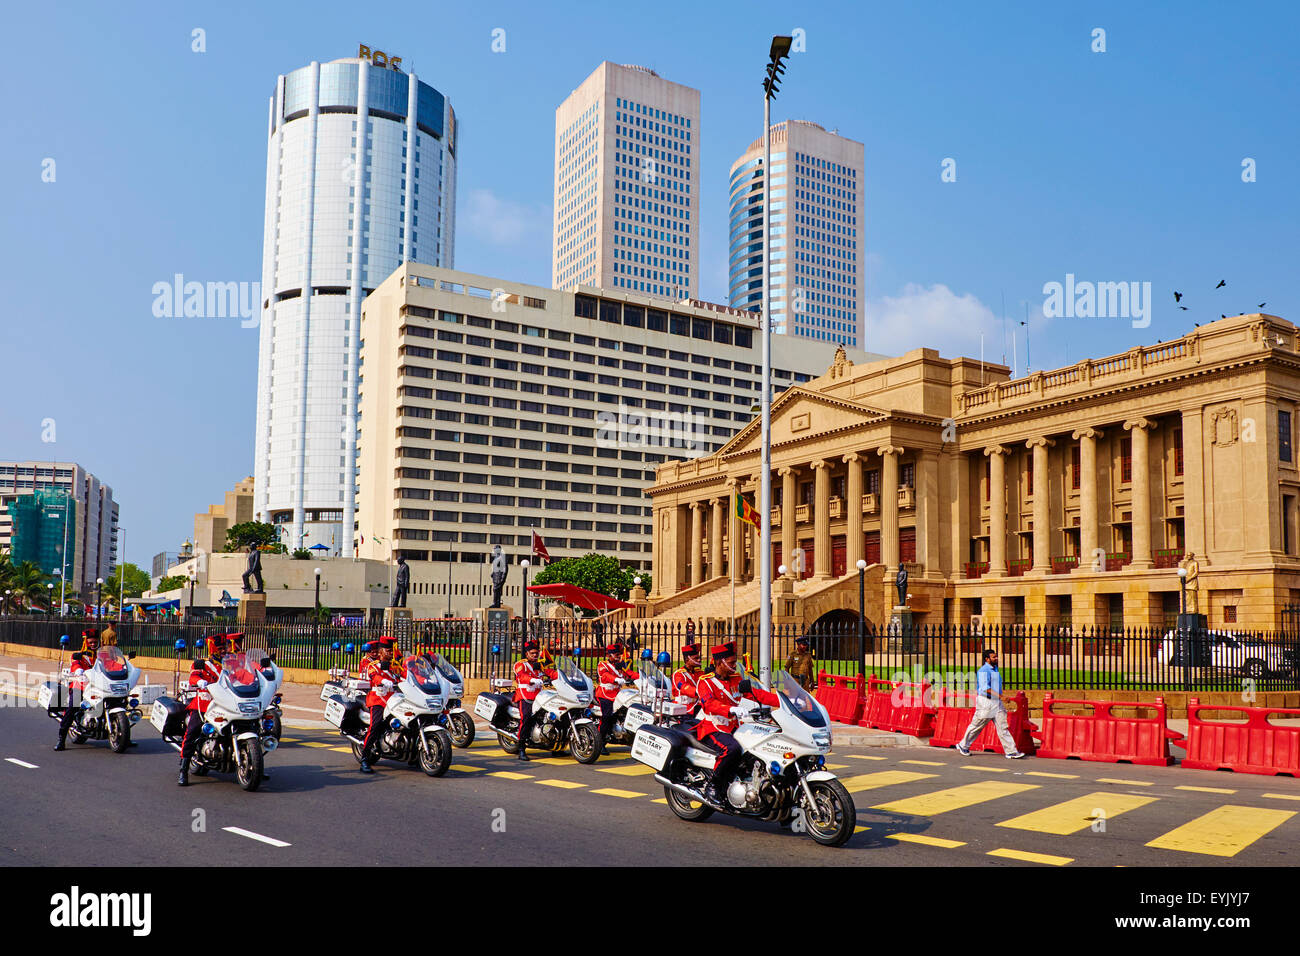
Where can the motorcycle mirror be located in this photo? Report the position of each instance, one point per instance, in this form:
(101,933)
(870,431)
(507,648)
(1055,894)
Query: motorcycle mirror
(266,662)
(131,656)
(745,686)
(197,662)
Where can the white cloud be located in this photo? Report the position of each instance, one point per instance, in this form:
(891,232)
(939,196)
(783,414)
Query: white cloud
(935,318)
(503,222)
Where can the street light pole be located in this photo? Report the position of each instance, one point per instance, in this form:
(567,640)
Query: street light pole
(862,614)
(524,564)
(99,599)
(779,51)
(315,624)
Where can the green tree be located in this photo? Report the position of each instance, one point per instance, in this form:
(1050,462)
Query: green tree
(27,582)
(257,533)
(137,582)
(595,572)
(172,582)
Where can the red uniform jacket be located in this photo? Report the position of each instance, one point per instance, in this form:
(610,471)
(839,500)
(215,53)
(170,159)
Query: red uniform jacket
(210,672)
(524,674)
(78,667)
(685,684)
(376,672)
(607,676)
(718,696)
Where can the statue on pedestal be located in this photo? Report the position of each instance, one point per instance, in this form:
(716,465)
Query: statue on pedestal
(254,570)
(499,567)
(900,582)
(403,582)
(1191,589)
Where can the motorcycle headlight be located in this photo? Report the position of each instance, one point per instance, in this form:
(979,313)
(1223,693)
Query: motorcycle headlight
(584,698)
(822,738)
(249,709)
(118,688)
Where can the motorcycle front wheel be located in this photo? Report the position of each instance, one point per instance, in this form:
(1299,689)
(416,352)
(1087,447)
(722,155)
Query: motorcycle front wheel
(462,729)
(584,743)
(435,755)
(119,732)
(832,818)
(685,808)
(248,764)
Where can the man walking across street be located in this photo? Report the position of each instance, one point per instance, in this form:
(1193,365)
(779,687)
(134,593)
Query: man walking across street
(989,706)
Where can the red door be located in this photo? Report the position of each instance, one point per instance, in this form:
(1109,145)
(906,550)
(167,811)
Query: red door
(839,555)
(871,549)
(809,557)
(776,556)
(907,544)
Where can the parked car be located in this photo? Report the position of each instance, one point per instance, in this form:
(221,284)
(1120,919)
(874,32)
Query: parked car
(1250,656)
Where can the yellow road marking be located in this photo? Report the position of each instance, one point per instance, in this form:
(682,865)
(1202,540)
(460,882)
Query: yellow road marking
(510,775)
(1211,790)
(562,784)
(1283,796)
(883,778)
(1071,816)
(493,752)
(973,766)
(925,840)
(465,768)
(955,798)
(636,770)
(1128,783)
(1032,857)
(864,757)
(626,794)
(1225,831)
(290,740)
(341,750)
(861,829)
(926,763)
(836,766)
(1054,776)
(551,761)
(312,743)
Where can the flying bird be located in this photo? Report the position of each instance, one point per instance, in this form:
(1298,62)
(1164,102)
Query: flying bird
(1183,307)
(1178,297)
(1261,305)
(1222,283)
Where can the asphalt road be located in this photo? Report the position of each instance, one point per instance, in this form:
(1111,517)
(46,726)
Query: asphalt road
(916,806)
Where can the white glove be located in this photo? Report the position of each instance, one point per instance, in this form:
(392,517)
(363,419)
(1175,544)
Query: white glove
(624,681)
(202,685)
(386,685)
(738,712)
(536,682)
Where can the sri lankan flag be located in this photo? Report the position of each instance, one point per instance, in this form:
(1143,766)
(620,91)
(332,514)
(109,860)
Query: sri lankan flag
(745,512)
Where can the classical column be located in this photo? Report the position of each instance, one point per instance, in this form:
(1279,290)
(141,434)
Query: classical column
(1141,487)
(788,539)
(821,518)
(927,512)
(1042,498)
(1087,439)
(715,538)
(959,510)
(697,542)
(997,511)
(889,507)
(735,534)
(1195,514)
(854,504)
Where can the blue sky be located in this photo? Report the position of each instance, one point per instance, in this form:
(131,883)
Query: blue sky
(1123,165)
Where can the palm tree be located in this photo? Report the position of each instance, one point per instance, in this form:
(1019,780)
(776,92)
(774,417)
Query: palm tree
(28,584)
(6,576)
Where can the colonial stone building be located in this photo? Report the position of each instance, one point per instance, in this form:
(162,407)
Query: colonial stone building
(1063,498)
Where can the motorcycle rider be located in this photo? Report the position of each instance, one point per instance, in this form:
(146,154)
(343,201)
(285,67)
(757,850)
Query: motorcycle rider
(528,681)
(202,674)
(82,660)
(611,674)
(687,677)
(378,669)
(720,694)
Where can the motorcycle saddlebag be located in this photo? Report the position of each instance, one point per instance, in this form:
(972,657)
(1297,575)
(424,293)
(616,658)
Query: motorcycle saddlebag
(488,705)
(637,714)
(54,695)
(657,746)
(168,717)
(344,714)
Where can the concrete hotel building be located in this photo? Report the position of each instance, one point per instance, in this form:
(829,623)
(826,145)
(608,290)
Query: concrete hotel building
(627,184)
(1063,498)
(818,253)
(361,177)
(483,418)
(91,525)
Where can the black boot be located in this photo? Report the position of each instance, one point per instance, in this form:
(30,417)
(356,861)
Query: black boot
(523,755)
(365,764)
(60,745)
(183,778)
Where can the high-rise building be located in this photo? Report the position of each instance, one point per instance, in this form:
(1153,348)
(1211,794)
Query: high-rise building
(627,184)
(361,177)
(818,256)
(485,417)
(44,504)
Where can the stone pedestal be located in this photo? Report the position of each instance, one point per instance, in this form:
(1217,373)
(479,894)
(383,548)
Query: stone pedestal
(252,609)
(785,606)
(1191,642)
(900,630)
(397,622)
(491,628)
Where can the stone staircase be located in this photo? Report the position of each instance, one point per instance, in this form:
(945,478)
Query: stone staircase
(717,602)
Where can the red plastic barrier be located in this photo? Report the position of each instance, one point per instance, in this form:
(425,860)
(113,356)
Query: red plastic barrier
(952,719)
(1256,746)
(899,706)
(1100,735)
(841,695)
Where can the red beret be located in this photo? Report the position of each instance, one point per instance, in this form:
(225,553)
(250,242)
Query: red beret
(723,650)
(691,650)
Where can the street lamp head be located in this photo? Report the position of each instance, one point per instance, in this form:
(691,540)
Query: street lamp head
(1182,572)
(318,572)
(781,569)
(523,563)
(636,581)
(780,47)
(99,580)
(861,565)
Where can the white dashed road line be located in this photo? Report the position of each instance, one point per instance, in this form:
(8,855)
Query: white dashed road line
(21,763)
(240,831)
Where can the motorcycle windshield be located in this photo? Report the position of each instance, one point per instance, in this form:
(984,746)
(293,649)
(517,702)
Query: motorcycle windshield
(800,701)
(112,661)
(572,674)
(422,673)
(240,674)
(652,678)
(444,667)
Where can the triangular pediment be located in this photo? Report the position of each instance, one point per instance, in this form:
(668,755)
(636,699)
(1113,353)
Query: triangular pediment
(801,413)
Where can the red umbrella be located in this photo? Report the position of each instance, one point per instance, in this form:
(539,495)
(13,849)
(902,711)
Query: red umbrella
(580,597)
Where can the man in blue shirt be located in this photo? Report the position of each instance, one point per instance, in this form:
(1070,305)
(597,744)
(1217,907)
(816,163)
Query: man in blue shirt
(989,706)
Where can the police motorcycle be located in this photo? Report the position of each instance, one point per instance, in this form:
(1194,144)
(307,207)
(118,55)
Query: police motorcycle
(457,720)
(648,699)
(413,715)
(237,729)
(561,713)
(108,705)
(781,775)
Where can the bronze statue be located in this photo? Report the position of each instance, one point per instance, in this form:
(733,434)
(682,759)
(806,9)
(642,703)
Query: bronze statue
(1191,589)
(499,566)
(254,570)
(403,582)
(900,582)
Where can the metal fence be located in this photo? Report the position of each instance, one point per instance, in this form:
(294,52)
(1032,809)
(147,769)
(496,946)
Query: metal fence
(1029,657)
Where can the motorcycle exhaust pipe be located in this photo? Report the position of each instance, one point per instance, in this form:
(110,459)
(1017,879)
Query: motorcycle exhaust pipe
(686,791)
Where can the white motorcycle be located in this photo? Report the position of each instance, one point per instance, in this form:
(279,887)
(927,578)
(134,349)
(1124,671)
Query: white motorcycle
(457,720)
(647,700)
(106,708)
(561,714)
(238,726)
(412,715)
(781,775)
